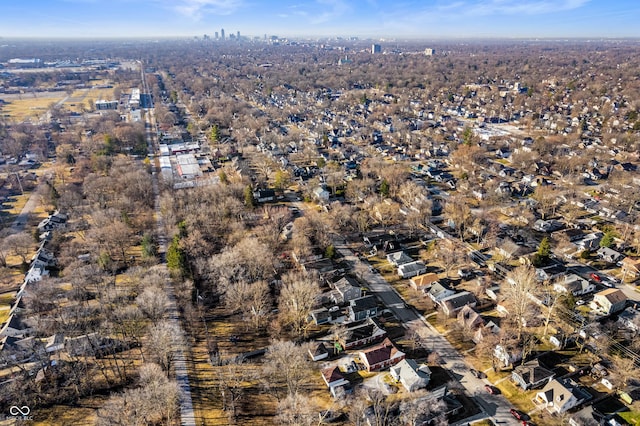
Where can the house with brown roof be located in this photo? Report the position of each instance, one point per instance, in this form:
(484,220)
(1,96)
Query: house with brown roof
(469,318)
(381,356)
(334,379)
(424,281)
(453,304)
(609,301)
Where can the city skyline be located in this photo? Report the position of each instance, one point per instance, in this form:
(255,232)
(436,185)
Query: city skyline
(316,18)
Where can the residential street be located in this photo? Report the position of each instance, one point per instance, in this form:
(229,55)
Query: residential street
(495,406)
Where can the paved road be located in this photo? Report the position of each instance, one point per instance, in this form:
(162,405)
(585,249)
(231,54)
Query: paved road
(187,414)
(23,217)
(494,406)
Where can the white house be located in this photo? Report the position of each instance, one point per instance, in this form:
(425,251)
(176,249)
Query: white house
(560,395)
(412,376)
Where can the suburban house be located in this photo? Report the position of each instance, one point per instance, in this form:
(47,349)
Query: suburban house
(412,269)
(334,379)
(399,258)
(630,268)
(531,375)
(560,395)
(469,318)
(506,357)
(412,376)
(609,301)
(264,195)
(381,356)
(591,242)
(549,273)
(609,255)
(437,292)
(320,316)
(630,319)
(346,289)
(489,328)
(424,281)
(318,352)
(362,334)
(453,304)
(363,308)
(575,285)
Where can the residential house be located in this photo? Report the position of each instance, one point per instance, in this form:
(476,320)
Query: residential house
(362,334)
(575,285)
(506,357)
(363,308)
(560,395)
(15,327)
(469,319)
(318,352)
(264,195)
(399,258)
(509,249)
(54,343)
(334,379)
(591,242)
(320,316)
(531,375)
(630,268)
(609,255)
(453,304)
(381,356)
(547,225)
(549,273)
(437,292)
(412,269)
(424,281)
(630,319)
(609,301)
(412,376)
(321,194)
(489,328)
(346,289)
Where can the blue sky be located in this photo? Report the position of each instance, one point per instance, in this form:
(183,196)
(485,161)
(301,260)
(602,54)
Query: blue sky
(364,18)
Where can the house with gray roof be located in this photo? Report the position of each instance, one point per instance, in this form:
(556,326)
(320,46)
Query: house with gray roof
(412,376)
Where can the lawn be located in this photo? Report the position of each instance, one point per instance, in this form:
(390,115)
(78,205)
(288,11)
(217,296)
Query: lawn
(631,417)
(29,106)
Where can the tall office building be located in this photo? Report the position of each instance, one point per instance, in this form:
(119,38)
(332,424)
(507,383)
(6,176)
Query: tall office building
(222,33)
(375,48)
(216,35)
(238,36)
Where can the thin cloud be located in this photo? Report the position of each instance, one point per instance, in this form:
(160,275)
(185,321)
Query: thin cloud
(504,7)
(332,9)
(197,8)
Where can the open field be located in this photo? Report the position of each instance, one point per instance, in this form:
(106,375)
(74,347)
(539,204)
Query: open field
(81,97)
(21,107)
(30,107)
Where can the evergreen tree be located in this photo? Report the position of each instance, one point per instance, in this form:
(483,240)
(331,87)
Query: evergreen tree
(384,188)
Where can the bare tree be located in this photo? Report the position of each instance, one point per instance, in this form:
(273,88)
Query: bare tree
(297,410)
(153,301)
(19,245)
(421,409)
(521,286)
(287,364)
(163,340)
(297,298)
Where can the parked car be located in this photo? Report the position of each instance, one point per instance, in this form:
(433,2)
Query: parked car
(516,414)
(478,374)
(595,277)
(490,389)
